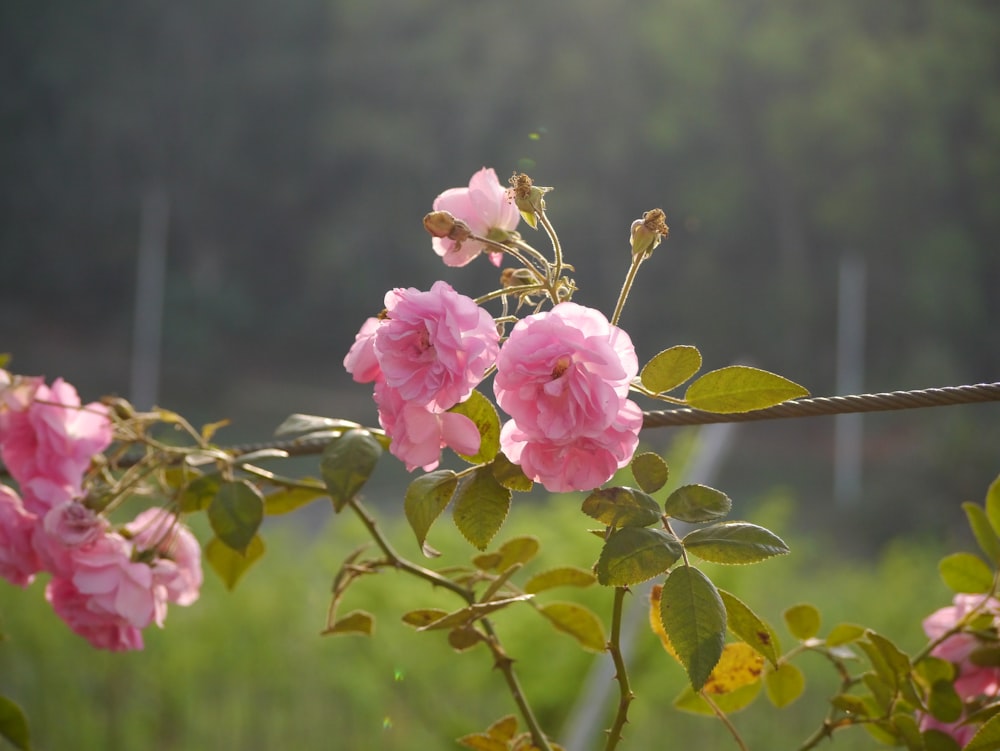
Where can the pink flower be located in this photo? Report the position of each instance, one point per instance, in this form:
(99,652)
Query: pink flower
(18,560)
(64,530)
(418,434)
(102,629)
(486,208)
(435,346)
(361,361)
(563,376)
(54,439)
(177,565)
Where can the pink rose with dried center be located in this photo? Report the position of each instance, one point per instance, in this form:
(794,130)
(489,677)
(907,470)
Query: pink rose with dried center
(177,562)
(488,210)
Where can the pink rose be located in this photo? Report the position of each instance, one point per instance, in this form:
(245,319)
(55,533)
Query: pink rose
(485,207)
(102,629)
(64,530)
(361,361)
(418,434)
(563,376)
(177,565)
(18,560)
(54,438)
(435,346)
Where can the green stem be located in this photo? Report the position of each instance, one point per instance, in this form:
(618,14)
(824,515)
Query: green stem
(725,721)
(621,672)
(637,260)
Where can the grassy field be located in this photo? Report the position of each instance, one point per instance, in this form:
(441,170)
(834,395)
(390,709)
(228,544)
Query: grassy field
(248,669)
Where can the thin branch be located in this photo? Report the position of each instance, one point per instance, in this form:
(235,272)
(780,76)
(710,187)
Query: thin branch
(621,672)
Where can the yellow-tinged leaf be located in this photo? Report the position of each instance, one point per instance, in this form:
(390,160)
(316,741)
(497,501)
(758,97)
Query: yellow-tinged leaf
(482,742)
(670,368)
(784,685)
(740,388)
(355,622)
(692,701)
(209,430)
(503,729)
(230,564)
(578,622)
(423,617)
(740,665)
(564,576)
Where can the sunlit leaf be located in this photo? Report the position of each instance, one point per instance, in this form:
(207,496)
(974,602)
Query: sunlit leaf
(355,622)
(909,731)
(966,573)
(803,621)
(464,637)
(510,475)
(480,507)
(622,507)
(650,471)
(230,564)
(734,543)
(993,504)
(634,554)
(740,665)
(483,742)
(697,503)
(695,621)
(987,538)
(670,368)
(14,725)
(515,550)
(347,463)
(748,626)
(740,388)
(423,617)
(209,430)
(987,738)
(236,513)
(656,620)
(286,500)
(297,423)
(564,576)
(844,633)
(850,704)
(425,499)
(736,700)
(784,685)
(503,729)
(578,622)
(472,613)
(481,411)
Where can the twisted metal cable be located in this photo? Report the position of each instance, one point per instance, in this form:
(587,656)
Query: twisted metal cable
(833,405)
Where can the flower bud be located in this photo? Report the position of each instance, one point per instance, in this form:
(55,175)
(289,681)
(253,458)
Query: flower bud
(516,278)
(528,197)
(647,232)
(439,223)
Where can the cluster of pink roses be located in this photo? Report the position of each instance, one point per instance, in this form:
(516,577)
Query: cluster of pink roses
(975,683)
(107,584)
(562,375)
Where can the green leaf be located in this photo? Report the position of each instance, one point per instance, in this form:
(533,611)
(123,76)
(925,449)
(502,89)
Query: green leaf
(908,731)
(464,637)
(896,660)
(650,471)
(850,704)
(987,738)
(14,725)
(578,622)
(622,507)
(697,503)
(748,626)
(803,621)
(734,543)
(670,368)
(230,564)
(472,613)
(966,573)
(482,742)
(691,701)
(355,622)
(481,505)
(510,475)
(236,513)
(347,463)
(993,504)
(295,424)
(635,554)
(565,576)
(844,633)
(984,533)
(286,500)
(784,685)
(425,499)
(198,493)
(944,702)
(938,740)
(739,388)
(481,411)
(515,550)
(423,617)
(695,621)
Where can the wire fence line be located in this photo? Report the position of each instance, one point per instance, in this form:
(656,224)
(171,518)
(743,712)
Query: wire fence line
(833,405)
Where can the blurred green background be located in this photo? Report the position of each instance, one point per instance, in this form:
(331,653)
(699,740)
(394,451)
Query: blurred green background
(296,146)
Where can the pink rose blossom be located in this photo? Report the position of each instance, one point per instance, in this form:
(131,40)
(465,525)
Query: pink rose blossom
(435,346)
(178,562)
(104,630)
(361,361)
(18,560)
(54,438)
(563,376)
(66,529)
(418,434)
(485,207)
